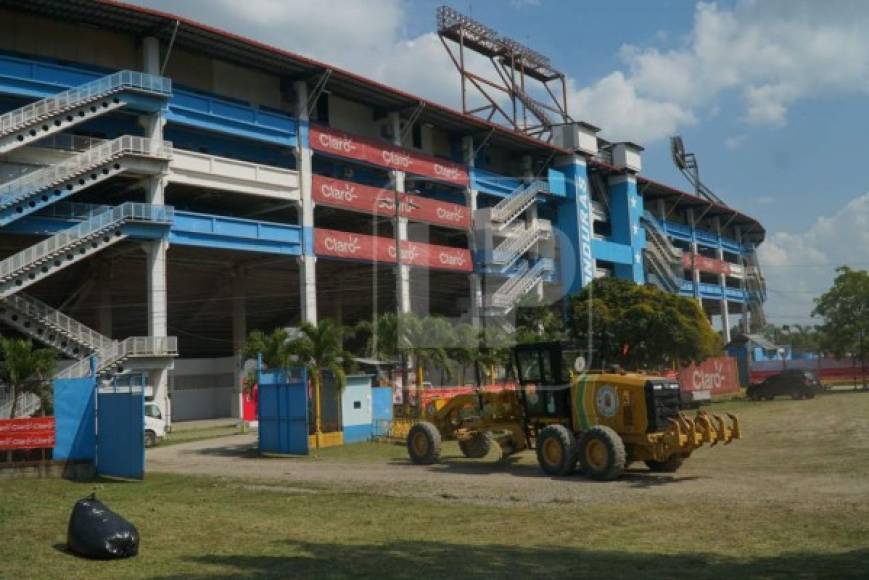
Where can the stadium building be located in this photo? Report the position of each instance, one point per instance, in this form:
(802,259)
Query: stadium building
(166,187)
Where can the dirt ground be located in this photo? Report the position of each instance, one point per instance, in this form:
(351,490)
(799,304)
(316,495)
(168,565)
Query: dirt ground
(793,452)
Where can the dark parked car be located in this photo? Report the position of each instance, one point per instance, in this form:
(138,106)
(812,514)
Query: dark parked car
(795,383)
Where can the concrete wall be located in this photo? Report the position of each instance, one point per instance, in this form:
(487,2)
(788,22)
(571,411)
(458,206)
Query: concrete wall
(352,117)
(225,79)
(203,388)
(60,40)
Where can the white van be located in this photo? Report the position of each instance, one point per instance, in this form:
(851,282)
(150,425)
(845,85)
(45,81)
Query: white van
(155,425)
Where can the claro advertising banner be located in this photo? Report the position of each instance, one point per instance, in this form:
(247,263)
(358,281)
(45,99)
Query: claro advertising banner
(385,155)
(718,375)
(712,265)
(28,433)
(370,248)
(373,200)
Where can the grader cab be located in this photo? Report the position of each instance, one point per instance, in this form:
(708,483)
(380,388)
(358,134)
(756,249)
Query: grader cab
(603,421)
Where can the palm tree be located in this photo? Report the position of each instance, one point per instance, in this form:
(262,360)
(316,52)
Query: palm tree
(466,348)
(426,339)
(26,369)
(382,342)
(273,347)
(321,348)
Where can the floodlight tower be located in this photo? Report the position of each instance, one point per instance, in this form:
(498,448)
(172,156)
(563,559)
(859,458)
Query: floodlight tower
(518,70)
(687,164)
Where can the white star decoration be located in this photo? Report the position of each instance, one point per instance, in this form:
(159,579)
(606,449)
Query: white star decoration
(635,228)
(633,202)
(637,257)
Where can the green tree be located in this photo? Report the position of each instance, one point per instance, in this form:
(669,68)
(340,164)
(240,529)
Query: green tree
(25,369)
(320,348)
(274,348)
(538,324)
(382,336)
(426,340)
(496,349)
(465,349)
(844,309)
(641,326)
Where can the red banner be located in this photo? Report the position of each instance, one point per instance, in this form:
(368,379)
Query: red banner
(385,155)
(370,248)
(28,433)
(374,200)
(712,265)
(717,375)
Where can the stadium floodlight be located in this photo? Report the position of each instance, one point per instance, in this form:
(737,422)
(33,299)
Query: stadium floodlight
(687,164)
(515,65)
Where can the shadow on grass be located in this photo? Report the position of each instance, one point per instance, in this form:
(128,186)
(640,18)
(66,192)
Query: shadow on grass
(441,560)
(242,451)
(513,466)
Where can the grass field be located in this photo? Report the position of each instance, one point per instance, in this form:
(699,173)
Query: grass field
(207,527)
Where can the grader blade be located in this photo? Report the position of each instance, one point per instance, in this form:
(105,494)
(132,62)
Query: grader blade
(735,431)
(720,428)
(703,419)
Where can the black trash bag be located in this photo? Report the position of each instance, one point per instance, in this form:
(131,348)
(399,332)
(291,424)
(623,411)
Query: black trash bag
(97,532)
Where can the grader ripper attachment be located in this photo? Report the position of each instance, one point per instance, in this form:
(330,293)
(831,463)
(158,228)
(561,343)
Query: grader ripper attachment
(601,421)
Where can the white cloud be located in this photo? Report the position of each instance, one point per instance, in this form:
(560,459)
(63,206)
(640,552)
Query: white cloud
(769,54)
(799,266)
(625,114)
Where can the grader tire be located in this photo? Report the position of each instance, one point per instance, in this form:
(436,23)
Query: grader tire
(556,450)
(670,465)
(479,445)
(424,443)
(602,453)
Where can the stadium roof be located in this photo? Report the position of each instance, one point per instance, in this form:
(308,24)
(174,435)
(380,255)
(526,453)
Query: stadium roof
(201,38)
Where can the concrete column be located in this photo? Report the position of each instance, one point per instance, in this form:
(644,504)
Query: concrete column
(104,282)
(156,251)
(626,207)
(722,282)
(239,332)
(402,270)
(695,273)
(158,317)
(744,319)
(307,262)
(471,199)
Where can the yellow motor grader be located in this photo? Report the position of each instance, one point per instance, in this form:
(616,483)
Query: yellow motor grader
(602,420)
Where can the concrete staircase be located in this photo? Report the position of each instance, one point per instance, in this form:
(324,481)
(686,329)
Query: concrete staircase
(104,160)
(663,259)
(76,243)
(64,110)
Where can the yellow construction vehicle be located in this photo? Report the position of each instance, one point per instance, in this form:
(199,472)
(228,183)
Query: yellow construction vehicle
(602,420)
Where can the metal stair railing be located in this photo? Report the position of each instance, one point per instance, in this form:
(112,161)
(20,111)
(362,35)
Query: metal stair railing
(58,321)
(120,351)
(512,248)
(509,293)
(654,228)
(663,263)
(28,404)
(508,209)
(36,254)
(80,95)
(14,191)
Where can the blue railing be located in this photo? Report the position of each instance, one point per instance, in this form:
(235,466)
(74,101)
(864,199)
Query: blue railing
(734,293)
(211,231)
(493,183)
(30,78)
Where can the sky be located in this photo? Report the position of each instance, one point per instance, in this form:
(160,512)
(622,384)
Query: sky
(772,96)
